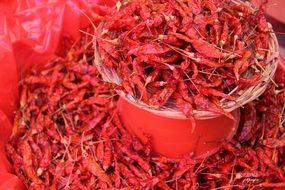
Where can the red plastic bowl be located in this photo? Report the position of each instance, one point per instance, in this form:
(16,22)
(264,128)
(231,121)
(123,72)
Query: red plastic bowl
(173,137)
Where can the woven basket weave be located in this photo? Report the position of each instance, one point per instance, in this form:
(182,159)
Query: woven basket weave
(243,96)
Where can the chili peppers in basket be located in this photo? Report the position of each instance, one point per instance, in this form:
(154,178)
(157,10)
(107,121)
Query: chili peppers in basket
(154,46)
(68,135)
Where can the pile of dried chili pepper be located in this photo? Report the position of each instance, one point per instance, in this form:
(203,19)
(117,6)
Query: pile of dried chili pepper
(68,135)
(192,53)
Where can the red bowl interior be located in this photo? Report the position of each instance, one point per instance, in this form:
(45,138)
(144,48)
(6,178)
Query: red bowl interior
(174,137)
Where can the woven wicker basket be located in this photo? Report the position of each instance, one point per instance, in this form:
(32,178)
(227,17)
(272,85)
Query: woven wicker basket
(244,96)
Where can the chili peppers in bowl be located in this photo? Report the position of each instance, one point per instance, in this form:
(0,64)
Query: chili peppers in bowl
(191,58)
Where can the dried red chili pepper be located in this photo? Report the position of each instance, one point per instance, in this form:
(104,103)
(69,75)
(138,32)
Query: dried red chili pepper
(249,122)
(27,162)
(160,97)
(206,104)
(239,64)
(201,46)
(96,170)
(100,150)
(108,155)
